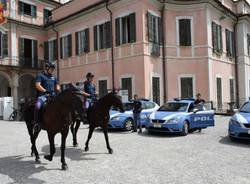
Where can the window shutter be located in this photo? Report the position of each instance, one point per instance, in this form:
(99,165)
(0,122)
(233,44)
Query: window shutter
(117,32)
(248,44)
(55,49)
(77,43)
(86,44)
(132,28)
(220,40)
(33,11)
(70,45)
(46,51)
(45,16)
(21,51)
(5,45)
(108,34)
(35,56)
(214,36)
(160,30)
(61,48)
(188,33)
(185,32)
(20,8)
(95,38)
(150,27)
(228,43)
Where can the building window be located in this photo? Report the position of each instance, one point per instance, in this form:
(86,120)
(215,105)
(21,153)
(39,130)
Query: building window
(66,46)
(102,37)
(3,45)
(50,50)
(156,89)
(82,41)
(217,38)
(232,96)
(127,85)
(154,33)
(230,43)
(47,16)
(187,87)
(103,87)
(248,44)
(27,9)
(28,53)
(125,29)
(185,37)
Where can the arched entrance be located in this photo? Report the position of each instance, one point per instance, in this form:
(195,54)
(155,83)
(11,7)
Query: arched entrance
(26,87)
(5,89)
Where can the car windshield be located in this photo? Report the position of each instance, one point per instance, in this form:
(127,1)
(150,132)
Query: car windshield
(245,108)
(126,107)
(174,107)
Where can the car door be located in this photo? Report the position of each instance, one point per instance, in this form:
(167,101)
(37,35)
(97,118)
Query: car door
(202,116)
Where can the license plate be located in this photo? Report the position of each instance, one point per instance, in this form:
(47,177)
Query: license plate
(248,131)
(157,125)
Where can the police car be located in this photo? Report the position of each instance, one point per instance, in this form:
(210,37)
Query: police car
(125,120)
(181,116)
(239,124)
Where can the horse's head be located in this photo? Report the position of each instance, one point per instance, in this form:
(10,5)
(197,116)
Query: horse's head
(115,100)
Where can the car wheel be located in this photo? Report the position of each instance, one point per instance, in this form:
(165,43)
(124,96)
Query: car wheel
(185,129)
(128,125)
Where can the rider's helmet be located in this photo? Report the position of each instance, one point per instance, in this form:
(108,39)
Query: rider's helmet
(49,65)
(89,75)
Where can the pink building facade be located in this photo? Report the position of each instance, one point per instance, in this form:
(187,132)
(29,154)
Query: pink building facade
(161,49)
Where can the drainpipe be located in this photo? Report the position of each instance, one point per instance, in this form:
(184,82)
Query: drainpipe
(112,46)
(164,54)
(57,61)
(236,65)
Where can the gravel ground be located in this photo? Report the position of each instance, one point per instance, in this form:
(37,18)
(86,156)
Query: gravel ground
(205,158)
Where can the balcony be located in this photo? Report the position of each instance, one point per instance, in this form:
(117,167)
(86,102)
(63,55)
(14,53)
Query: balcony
(25,63)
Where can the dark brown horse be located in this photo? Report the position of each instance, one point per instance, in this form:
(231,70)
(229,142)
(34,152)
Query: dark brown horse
(56,119)
(98,116)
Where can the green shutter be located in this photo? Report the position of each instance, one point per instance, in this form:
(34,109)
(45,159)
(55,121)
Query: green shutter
(117,32)
(150,27)
(220,40)
(95,38)
(21,51)
(228,43)
(5,45)
(61,48)
(55,49)
(86,45)
(160,30)
(70,45)
(46,51)
(35,56)
(108,34)
(132,28)
(77,43)
(20,8)
(33,11)
(214,36)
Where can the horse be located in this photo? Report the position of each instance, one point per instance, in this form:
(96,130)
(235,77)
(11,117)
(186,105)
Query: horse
(56,118)
(98,116)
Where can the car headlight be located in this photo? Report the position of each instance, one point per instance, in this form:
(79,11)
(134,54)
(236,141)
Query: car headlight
(173,120)
(234,122)
(116,118)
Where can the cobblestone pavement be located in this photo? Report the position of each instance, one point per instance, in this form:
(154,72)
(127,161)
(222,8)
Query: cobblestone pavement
(205,158)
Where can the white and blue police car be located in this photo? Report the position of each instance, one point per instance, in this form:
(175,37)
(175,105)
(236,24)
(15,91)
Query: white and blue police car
(239,124)
(181,116)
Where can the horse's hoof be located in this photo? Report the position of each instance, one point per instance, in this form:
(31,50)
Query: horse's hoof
(31,154)
(48,157)
(86,149)
(38,161)
(75,144)
(64,167)
(110,151)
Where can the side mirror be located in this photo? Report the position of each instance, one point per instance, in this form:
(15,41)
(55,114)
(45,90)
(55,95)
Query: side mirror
(236,110)
(195,111)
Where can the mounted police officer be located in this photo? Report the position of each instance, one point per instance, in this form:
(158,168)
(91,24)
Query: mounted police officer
(90,89)
(46,85)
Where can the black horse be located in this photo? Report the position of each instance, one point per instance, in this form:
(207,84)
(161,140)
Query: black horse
(56,118)
(98,116)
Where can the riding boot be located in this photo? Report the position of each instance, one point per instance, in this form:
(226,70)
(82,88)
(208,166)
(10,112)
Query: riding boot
(36,127)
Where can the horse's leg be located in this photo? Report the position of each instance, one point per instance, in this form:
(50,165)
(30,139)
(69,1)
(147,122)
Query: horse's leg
(105,131)
(91,129)
(34,149)
(64,136)
(52,147)
(78,122)
(72,128)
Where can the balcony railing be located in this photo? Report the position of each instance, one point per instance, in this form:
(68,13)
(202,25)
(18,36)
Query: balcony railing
(22,62)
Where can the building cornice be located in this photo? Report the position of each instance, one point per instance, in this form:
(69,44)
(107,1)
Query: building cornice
(58,4)
(9,20)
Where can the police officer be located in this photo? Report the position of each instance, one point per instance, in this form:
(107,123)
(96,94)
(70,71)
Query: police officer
(198,99)
(137,108)
(46,85)
(89,89)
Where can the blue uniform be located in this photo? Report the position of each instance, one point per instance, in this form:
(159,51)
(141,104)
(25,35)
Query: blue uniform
(49,83)
(90,89)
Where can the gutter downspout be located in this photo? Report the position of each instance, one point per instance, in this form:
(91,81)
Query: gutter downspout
(57,61)
(236,65)
(164,54)
(112,46)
